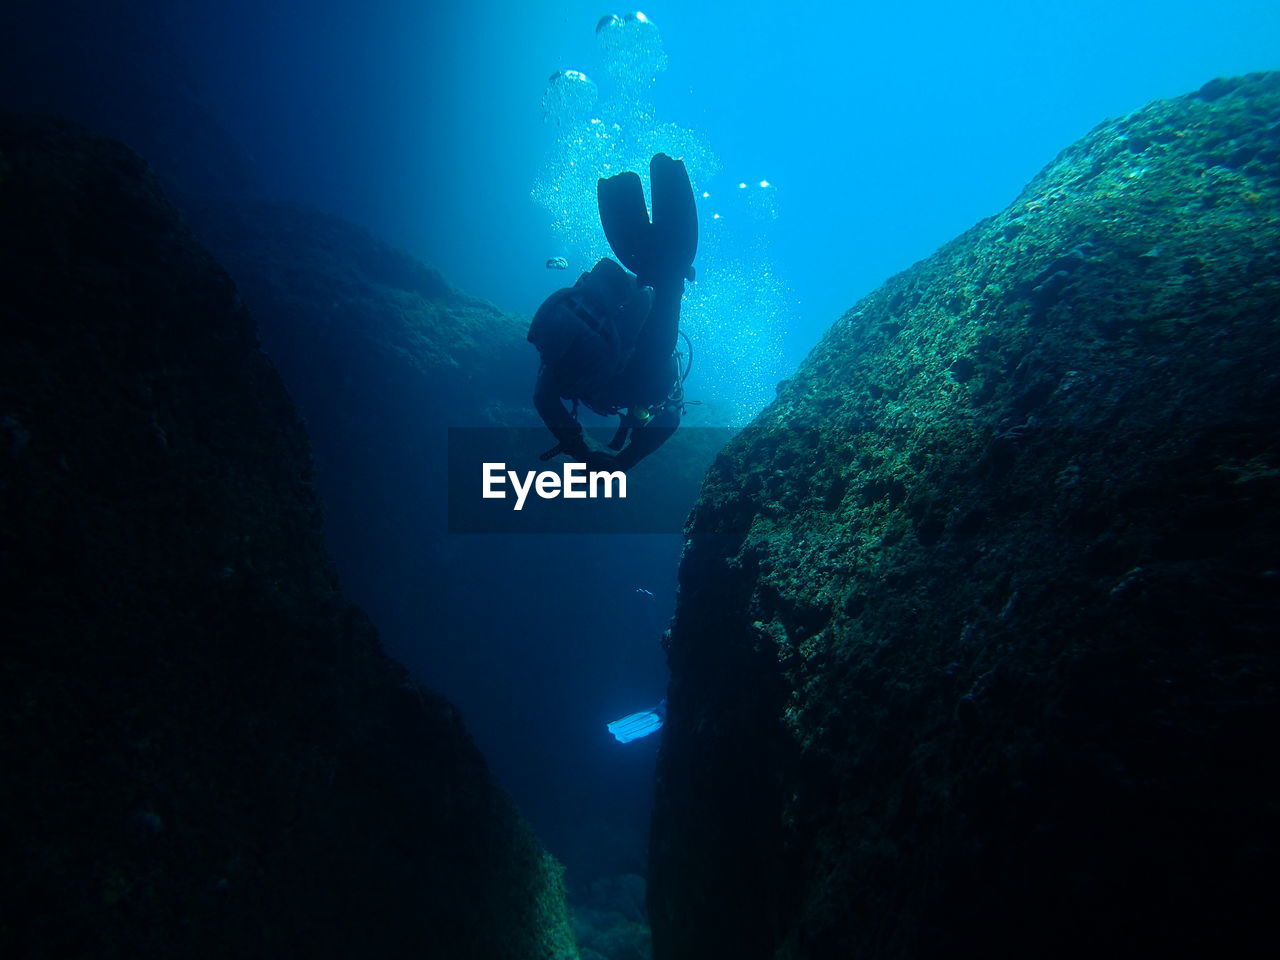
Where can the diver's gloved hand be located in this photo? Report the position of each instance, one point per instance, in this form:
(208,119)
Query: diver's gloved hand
(575,448)
(571,445)
(596,460)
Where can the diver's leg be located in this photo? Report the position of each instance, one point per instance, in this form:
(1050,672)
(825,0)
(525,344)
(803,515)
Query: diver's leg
(661,255)
(651,372)
(675,236)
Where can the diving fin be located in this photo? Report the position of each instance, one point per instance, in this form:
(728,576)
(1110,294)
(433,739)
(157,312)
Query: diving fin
(626,220)
(675,217)
(664,247)
(637,725)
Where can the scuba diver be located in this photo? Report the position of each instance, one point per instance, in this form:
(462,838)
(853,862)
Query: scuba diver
(609,341)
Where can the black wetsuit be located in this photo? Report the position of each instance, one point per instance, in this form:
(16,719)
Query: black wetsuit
(647,380)
(587,332)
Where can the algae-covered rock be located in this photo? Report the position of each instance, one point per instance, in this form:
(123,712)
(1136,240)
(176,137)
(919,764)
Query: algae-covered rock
(610,921)
(204,751)
(975,647)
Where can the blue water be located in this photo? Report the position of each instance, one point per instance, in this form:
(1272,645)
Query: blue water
(881,131)
(886,129)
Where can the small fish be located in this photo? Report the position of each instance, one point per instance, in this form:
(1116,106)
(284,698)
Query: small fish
(644,593)
(558,263)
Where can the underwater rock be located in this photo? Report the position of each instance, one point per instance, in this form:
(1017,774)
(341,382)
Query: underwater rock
(974,652)
(610,921)
(382,356)
(205,752)
(323,285)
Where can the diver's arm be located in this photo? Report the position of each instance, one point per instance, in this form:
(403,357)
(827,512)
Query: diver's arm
(546,400)
(646,439)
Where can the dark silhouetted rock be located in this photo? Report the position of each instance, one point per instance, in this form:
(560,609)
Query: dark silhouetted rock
(975,651)
(119,68)
(204,751)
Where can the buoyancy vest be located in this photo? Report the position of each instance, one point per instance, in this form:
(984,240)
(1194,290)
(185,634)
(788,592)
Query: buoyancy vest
(586,333)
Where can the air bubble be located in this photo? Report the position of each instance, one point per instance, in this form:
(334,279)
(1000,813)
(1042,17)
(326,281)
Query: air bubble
(569,97)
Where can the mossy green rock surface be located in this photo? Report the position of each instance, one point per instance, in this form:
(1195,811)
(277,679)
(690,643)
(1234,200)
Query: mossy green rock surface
(975,652)
(204,751)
